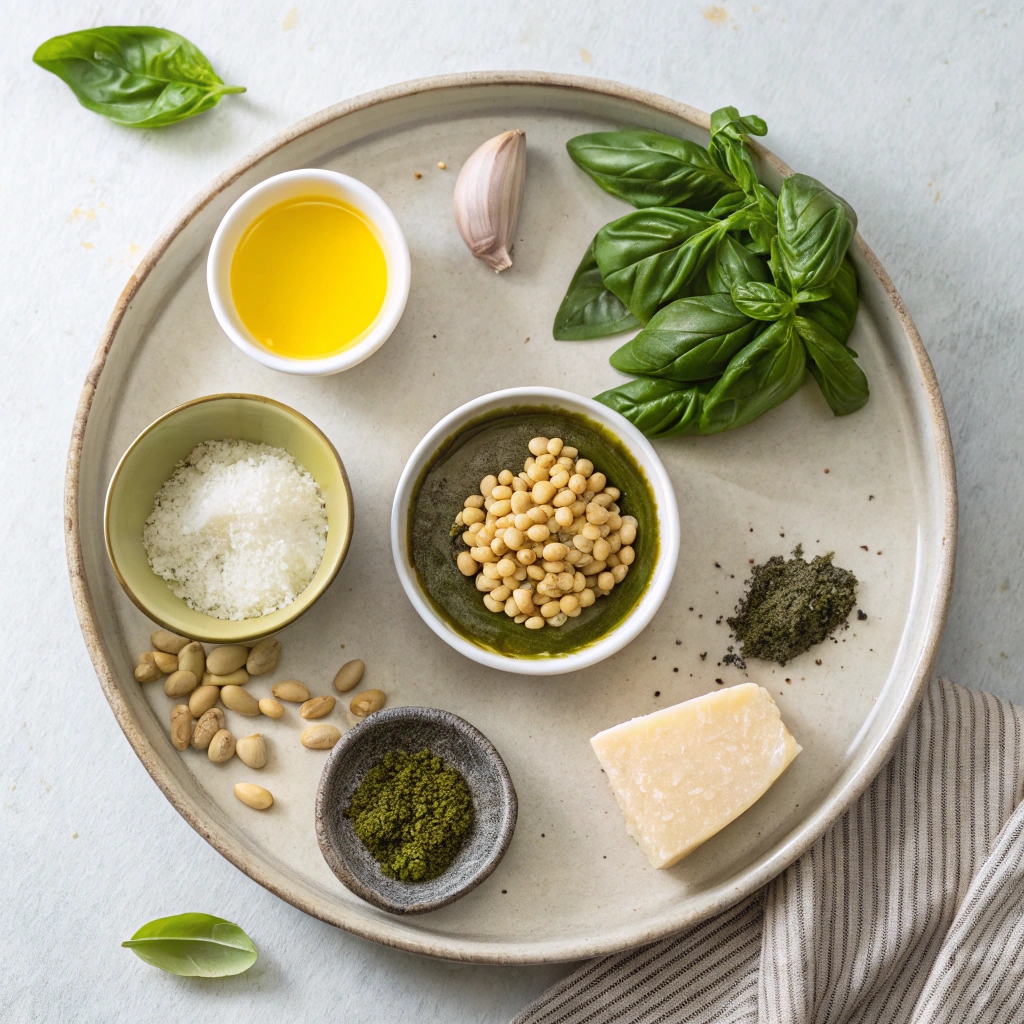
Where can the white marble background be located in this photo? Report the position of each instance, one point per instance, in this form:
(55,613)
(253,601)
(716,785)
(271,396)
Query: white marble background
(913,111)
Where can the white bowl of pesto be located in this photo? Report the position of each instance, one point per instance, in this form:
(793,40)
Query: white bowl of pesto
(490,434)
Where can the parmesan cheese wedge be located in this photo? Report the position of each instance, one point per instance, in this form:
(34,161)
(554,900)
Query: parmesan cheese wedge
(683,773)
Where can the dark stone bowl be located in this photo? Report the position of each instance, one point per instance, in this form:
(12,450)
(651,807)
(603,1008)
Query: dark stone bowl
(459,745)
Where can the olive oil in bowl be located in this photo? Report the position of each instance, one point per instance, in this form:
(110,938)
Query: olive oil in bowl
(309,277)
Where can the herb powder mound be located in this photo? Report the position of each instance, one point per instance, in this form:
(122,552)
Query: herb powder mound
(413,813)
(792,605)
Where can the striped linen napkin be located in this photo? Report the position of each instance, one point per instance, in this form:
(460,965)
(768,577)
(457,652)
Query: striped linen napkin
(909,911)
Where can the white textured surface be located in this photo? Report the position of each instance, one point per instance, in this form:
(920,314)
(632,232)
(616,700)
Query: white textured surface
(912,112)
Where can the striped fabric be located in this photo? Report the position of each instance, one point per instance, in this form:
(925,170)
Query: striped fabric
(909,911)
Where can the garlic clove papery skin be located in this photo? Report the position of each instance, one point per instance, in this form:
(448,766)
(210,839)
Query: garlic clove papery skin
(488,194)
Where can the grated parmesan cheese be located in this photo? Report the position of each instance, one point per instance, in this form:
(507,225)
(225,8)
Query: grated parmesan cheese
(238,530)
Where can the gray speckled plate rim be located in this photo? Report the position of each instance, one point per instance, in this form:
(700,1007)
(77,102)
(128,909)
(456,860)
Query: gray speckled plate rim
(443,719)
(936,440)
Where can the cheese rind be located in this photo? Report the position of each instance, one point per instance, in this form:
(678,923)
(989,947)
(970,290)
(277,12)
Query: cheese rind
(683,773)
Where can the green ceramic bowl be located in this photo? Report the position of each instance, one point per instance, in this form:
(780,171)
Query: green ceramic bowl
(151,459)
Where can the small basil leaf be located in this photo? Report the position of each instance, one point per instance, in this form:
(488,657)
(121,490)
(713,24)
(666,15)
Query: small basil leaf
(728,122)
(734,159)
(653,256)
(729,204)
(815,230)
(767,204)
(658,408)
(650,169)
(734,264)
(727,147)
(814,294)
(778,268)
(761,376)
(589,310)
(762,234)
(194,945)
(134,75)
(689,340)
(762,301)
(841,380)
(837,313)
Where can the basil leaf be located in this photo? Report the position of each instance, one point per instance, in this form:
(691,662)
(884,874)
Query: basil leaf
(653,256)
(726,121)
(761,376)
(727,146)
(689,340)
(762,234)
(729,204)
(815,229)
(650,169)
(832,365)
(762,301)
(837,313)
(194,945)
(734,264)
(589,310)
(134,75)
(658,408)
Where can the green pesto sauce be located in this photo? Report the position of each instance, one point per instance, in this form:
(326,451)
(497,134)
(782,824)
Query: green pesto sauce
(413,813)
(499,441)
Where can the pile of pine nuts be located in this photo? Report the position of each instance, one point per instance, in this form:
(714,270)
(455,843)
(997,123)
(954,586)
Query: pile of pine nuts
(546,543)
(207,679)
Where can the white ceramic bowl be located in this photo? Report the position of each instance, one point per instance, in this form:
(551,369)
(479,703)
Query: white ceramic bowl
(666,515)
(309,182)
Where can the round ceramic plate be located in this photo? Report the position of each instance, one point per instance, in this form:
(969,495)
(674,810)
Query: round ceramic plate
(876,487)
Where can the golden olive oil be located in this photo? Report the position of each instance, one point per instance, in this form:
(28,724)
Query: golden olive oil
(309,277)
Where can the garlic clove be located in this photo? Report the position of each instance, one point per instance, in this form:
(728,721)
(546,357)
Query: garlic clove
(488,193)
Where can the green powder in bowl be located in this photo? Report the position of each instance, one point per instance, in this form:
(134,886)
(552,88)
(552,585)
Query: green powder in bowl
(413,814)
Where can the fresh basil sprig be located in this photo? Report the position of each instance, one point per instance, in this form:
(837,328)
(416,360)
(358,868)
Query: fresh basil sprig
(135,75)
(729,334)
(194,945)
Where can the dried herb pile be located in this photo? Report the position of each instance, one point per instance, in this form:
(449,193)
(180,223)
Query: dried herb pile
(413,813)
(791,606)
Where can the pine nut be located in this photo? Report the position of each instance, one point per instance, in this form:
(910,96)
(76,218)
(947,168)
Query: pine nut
(168,642)
(237,699)
(320,737)
(192,658)
(317,707)
(252,750)
(222,661)
(271,708)
(202,699)
(181,726)
(222,747)
(367,702)
(349,675)
(291,690)
(256,797)
(180,684)
(209,724)
(263,657)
